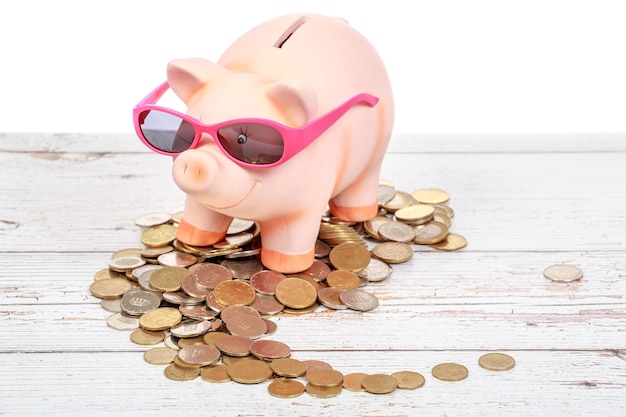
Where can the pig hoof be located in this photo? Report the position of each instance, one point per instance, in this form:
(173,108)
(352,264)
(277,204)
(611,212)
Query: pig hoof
(354,214)
(286,263)
(191,235)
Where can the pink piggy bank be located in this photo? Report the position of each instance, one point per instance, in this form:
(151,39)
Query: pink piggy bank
(294,118)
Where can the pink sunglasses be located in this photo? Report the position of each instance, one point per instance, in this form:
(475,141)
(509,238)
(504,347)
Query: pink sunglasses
(250,142)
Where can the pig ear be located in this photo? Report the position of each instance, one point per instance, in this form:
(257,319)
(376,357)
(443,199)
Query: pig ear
(295,99)
(186,76)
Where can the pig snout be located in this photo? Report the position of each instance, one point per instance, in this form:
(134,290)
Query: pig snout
(193,170)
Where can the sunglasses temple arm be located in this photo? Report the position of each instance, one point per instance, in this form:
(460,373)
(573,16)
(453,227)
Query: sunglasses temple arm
(318,126)
(155,95)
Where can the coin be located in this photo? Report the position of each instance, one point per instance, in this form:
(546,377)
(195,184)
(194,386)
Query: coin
(146,337)
(288,367)
(352,382)
(393,252)
(250,372)
(358,300)
(215,373)
(312,365)
(160,355)
(396,232)
(243,268)
(122,321)
(325,378)
(112,305)
(238,226)
(376,271)
(429,233)
(346,280)
(190,328)
(372,226)
(106,274)
(180,298)
(168,278)
(177,258)
(137,272)
(267,305)
(322,392)
(234,292)
(201,355)
(244,325)
(211,337)
(269,349)
(450,372)
(385,193)
(400,199)
(236,310)
(234,345)
(189,286)
(296,293)
(318,270)
(329,297)
(265,281)
(110,287)
(286,388)
(322,249)
(379,384)
(431,196)
(152,219)
(563,273)
(160,319)
(349,256)
(496,362)
(127,252)
(137,301)
(155,252)
(208,275)
(157,236)
(177,373)
(234,240)
(409,379)
(452,242)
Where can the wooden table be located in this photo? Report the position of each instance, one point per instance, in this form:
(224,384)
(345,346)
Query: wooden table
(524,202)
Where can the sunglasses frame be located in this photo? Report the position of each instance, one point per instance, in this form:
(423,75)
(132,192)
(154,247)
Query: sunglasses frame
(294,139)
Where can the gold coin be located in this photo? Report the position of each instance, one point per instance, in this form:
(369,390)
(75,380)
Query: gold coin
(393,252)
(160,319)
(215,373)
(110,287)
(323,392)
(146,337)
(350,257)
(200,355)
(288,367)
(286,388)
(212,337)
(496,362)
(452,242)
(352,382)
(415,213)
(325,378)
(450,372)
(177,373)
(296,293)
(128,252)
(107,273)
(397,232)
(157,236)
(233,292)
(385,193)
(160,355)
(431,196)
(343,279)
(400,199)
(250,372)
(429,233)
(168,278)
(379,384)
(563,273)
(372,226)
(409,379)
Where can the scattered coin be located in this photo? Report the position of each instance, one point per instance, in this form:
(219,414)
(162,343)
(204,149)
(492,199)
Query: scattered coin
(452,242)
(563,273)
(409,379)
(216,373)
(352,382)
(229,293)
(296,293)
(397,232)
(250,372)
(429,233)
(110,287)
(450,372)
(152,219)
(322,392)
(431,196)
(161,318)
(349,256)
(160,355)
(496,362)
(359,300)
(376,271)
(201,355)
(157,236)
(177,373)
(288,367)
(137,301)
(379,383)
(146,337)
(121,321)
(286,388)
(393,252)
(325,378)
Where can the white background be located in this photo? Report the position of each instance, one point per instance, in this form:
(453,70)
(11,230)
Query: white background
(456,66)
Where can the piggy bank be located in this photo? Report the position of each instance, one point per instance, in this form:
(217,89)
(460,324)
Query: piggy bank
(293,119)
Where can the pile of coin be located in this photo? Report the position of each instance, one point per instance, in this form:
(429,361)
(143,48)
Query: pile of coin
(210,307)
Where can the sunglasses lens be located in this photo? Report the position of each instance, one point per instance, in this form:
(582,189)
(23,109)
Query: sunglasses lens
(254,143)
(166,132)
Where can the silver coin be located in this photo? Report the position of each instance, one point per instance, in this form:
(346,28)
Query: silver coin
(327,300)
(191,328)
(385,193)
(238,226)
(180,298)
(375,271)
(171,342)
(152,219)
(126,263)
(359,300)
(112,305)
(397,232)
(563,273)
(121,321)
(138,271)
(137,301)
(177,258)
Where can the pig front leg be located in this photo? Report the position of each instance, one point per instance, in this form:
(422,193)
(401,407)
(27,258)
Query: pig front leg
(289,241)
(201,226)
(359,201)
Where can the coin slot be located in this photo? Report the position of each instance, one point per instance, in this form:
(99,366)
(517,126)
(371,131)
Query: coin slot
(290,31)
